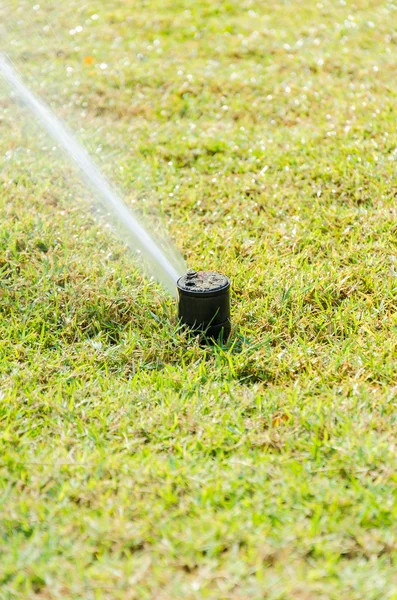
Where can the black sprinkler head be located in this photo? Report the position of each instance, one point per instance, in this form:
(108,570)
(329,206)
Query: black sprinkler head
(204,303)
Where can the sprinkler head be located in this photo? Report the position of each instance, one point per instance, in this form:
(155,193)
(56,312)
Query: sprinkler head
(204,303)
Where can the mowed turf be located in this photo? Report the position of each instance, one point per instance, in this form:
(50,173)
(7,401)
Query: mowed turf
(134,463)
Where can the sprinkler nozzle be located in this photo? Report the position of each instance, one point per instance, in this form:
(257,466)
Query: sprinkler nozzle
(204,303)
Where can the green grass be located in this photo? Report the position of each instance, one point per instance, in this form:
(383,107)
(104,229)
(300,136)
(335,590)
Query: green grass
(135,464)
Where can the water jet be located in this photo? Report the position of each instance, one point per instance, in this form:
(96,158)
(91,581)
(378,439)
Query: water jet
(166,267)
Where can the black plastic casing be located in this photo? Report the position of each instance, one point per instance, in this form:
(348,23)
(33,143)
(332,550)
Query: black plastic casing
(204,303)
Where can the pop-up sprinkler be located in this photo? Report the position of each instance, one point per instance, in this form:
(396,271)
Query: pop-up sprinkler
(204,303)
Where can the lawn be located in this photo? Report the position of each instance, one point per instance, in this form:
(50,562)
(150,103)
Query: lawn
(135,463)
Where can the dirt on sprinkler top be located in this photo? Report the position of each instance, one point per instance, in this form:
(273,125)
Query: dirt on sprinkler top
(203,281)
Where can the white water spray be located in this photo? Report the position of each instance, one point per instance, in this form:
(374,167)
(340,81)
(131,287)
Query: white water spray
(163,269)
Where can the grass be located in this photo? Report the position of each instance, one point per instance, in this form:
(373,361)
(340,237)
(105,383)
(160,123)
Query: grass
(136,464)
